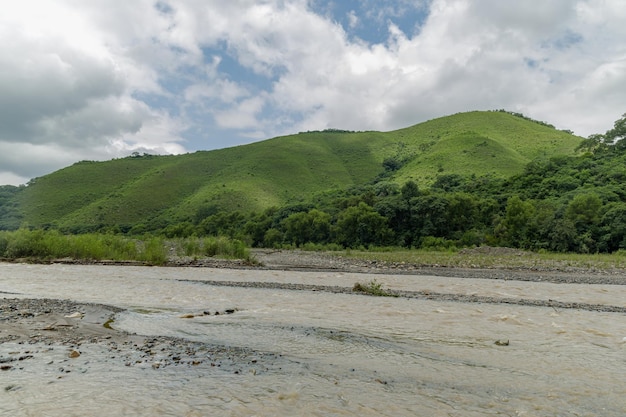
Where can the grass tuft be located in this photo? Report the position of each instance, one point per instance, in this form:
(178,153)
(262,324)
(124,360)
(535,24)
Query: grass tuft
(372,288)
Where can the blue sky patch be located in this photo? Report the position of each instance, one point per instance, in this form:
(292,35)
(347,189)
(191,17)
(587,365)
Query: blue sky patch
(369,20)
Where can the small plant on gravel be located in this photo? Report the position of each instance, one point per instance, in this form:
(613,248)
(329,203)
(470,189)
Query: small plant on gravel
(372,288)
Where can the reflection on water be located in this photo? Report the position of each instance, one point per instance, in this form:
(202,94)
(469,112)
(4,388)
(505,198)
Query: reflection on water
(343,354)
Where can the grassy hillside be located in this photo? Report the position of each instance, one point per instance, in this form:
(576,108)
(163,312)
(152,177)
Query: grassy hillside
(479,143)
(285,169)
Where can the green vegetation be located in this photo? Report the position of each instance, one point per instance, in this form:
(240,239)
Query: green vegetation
(10,216)
(220,246)
(469,180)
(40,245)
(149,193)
(489,258)
(372,288)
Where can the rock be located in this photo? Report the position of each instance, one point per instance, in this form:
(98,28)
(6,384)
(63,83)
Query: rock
(501,342)
(187,316)
(74,353)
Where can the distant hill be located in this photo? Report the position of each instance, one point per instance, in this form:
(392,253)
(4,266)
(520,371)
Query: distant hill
(285,169)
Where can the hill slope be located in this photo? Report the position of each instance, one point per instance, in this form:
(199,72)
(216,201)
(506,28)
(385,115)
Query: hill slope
(291,168)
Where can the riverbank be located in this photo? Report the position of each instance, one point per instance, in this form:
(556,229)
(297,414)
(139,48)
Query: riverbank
(38,326)
(296,260)
(525,267)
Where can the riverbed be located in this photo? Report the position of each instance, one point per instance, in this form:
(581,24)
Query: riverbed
(283,345)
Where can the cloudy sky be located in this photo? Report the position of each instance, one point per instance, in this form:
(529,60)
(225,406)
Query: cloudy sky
(100,79)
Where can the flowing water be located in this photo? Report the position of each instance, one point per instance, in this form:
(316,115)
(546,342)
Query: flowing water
(341,354)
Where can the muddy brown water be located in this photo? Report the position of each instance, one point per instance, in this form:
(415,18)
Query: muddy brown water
(320,353)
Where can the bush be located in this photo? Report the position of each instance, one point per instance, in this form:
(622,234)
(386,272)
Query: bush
(154,252)
(373,288)
(438,243)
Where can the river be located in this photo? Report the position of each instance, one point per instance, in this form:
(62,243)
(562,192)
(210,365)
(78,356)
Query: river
(332,354)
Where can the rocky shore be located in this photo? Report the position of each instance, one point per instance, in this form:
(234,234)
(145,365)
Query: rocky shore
(35,327)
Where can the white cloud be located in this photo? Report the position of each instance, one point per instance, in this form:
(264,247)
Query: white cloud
(70,73)
(242,116)
(158,134)
(221,90)
(26,160)
(11,178)
(353,19)
(468,55)
(98,79)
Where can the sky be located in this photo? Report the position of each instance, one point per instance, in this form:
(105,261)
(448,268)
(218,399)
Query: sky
(101,79)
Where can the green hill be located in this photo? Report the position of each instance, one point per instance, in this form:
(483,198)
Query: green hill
(285,169)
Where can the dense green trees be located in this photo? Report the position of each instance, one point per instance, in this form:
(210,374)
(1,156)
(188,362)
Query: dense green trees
(304,227)
(361,225)
(9,214)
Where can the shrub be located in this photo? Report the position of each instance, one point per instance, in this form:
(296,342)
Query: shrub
(437,243)
(154,252)
(372,288)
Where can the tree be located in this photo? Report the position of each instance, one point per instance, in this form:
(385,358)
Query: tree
(223,223)
(448,182)
(584,210)
(362,226)
(517,219)
(429,216)
(409,190)
(273,238)
(562,235)
(618,132)
(258,225)
(313,226)
(613,228)
(462,213)
(392,164)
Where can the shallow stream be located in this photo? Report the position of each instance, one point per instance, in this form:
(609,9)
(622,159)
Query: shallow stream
(342,354)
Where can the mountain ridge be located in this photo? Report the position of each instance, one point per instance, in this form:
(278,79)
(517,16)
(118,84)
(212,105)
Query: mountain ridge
(285,169)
